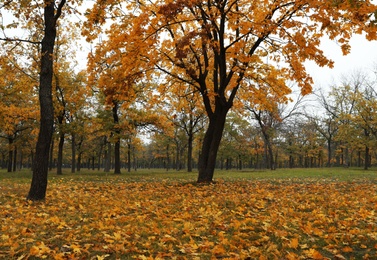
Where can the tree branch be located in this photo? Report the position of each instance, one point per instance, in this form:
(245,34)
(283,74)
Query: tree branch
(6,39)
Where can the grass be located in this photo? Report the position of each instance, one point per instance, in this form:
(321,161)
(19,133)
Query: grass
(329,174)
(321,213)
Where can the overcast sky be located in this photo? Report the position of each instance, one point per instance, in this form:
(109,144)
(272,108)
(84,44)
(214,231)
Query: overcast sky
(363,56)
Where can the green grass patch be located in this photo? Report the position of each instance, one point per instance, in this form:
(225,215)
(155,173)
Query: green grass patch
(330,174)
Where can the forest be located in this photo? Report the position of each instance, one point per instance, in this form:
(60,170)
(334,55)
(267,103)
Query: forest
(122,85)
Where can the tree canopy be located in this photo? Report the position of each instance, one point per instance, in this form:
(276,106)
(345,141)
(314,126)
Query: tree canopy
(226,49)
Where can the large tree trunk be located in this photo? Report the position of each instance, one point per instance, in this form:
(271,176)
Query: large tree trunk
(211,143)
(40,168)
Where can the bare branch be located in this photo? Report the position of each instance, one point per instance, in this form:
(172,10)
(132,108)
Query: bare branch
(19,40)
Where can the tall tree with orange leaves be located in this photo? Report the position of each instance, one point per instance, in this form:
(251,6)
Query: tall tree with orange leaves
(41,17)
(225,48)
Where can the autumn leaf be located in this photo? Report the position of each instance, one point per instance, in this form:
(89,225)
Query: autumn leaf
(347,249)
(150,219)
(293,243)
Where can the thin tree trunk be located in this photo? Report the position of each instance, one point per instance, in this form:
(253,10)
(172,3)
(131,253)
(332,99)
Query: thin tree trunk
(79,155)
(108,157)
(100,155)
(73,148)
(177,157)
(10,154)
(134,158)
(78,164)
(59,166)
(366,164)
(167,158)
(117,157)
(129,157)
(189,152)
(329,152)
(270,160)
(15,158)
(117,136)
(51,162)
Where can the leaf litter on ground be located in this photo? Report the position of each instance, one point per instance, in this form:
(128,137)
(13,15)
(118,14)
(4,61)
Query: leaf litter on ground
(243,219)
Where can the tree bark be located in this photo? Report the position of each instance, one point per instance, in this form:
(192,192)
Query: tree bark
(329,152)
(129,157)
(59,166)
(366,164)
(167,166)
(50,160)
(189,152)
(79,155)
(117,137)
(107,157)
(10,154)
(211,143)
(73,148)
(270,154)
(40,168)
(78,165)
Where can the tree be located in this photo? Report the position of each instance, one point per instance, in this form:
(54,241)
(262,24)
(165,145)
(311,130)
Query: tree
(222,47)
(235,142)
(69,94)
(40,168)
(117,90)
(182,108)
(327,124)
(270,114)
(30,12)
(357,125)
(18,108)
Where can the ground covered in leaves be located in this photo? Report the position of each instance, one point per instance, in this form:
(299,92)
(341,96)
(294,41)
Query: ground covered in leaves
(250,219)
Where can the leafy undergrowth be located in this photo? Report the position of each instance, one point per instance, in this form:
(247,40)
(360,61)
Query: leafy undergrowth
(283,219)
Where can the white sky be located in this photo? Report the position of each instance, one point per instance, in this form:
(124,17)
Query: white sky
(363,56)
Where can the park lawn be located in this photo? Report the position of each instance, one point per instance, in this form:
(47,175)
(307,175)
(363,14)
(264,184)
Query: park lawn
(283,214)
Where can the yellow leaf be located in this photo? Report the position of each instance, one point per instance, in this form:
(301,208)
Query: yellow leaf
(293,243)
(314,254)
(34,250)
(292,256)
(218,250)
